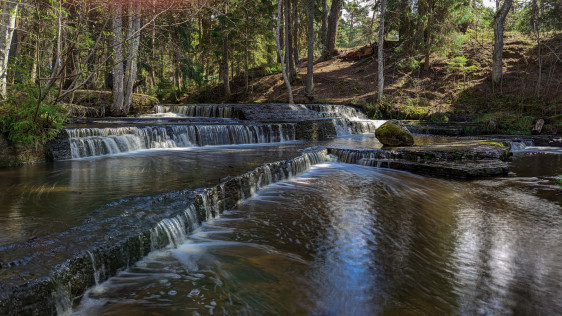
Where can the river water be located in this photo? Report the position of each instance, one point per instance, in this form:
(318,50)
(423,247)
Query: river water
(354,240)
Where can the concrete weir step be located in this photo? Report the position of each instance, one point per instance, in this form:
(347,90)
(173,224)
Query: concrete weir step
(464,160)
(45,275)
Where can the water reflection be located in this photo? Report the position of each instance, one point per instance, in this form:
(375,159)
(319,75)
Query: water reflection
(49,198)
(356,240)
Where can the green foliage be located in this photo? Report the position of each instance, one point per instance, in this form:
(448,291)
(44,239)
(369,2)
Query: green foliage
(439,118)
(506,123)
(408,64)
(459,64)
(23,121)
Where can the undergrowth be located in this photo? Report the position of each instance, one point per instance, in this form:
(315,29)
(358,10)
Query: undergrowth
(24,120)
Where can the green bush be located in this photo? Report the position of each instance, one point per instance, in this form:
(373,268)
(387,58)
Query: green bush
(507,123)
(25,121)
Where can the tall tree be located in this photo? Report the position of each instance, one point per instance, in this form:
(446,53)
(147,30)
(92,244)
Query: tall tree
(324,27)
(333,20)
(280,51)
(225,55)
(125,56)
(499,19)
(310,46)
(289,42)
(381,52)
(132,60)
(118,70)
(7,26)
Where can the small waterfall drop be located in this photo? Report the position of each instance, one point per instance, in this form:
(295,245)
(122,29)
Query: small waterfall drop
(211,110)
(173,231)
(86,142)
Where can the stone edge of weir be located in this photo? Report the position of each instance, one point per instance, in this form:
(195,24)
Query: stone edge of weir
(405,161)
(55,293)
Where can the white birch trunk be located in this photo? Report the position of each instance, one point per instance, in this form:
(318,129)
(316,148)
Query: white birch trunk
(280,51)
(8,24)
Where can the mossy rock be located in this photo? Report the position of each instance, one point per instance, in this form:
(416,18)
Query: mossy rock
(394,133)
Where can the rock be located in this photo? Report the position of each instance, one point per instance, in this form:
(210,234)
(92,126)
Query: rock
(394,133)
(538,127)
(482,165)
(469,150)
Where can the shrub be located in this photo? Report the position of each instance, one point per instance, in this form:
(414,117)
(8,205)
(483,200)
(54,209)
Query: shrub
(24,120)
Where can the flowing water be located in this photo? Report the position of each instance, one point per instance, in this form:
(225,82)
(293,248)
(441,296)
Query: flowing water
(49,198)
(338,239)
(353,240)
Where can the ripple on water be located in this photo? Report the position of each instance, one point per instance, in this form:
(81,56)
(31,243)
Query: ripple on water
(356,240)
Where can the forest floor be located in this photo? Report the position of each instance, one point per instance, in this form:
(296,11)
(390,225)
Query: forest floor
(456,89)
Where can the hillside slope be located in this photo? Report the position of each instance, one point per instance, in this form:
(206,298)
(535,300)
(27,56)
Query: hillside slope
(459,88)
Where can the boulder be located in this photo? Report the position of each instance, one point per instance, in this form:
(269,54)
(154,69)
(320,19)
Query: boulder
(394,133)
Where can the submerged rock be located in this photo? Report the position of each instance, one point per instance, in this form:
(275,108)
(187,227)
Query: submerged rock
(394,133)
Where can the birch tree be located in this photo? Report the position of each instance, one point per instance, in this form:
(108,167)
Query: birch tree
(280,51)
(125,60)
(8,24)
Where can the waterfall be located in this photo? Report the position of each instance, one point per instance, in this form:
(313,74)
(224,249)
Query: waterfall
(362,156)
(517,146)
(86,142)
(334,110)
(342,127)
(213,201)
(173,231)
(211,110)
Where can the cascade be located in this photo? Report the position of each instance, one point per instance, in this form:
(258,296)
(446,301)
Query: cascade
(173,230)
(211,110)
(86,142)
(334,110)
(517,146)
(365,157)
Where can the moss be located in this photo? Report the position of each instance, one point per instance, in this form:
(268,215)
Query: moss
(392,134)
(495,144)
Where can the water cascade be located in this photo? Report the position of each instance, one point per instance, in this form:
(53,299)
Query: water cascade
(101,259)
(210,110)
(346,120)
(86,142)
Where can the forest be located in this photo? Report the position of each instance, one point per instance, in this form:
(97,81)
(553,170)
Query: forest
(281,157)
(499,63)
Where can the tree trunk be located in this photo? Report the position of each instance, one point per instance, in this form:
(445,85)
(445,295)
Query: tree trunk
(225,68)
(289,42)
(499,20)
(134,37)
(280,51)
(428,35)
(372,26)
(294,25)
(405,24)
(7,26)
(535,18)
(225,61)
(333,21)
(350,34)
(246,53)
(118,71)
(310,64)
(381,52)
(324,27)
